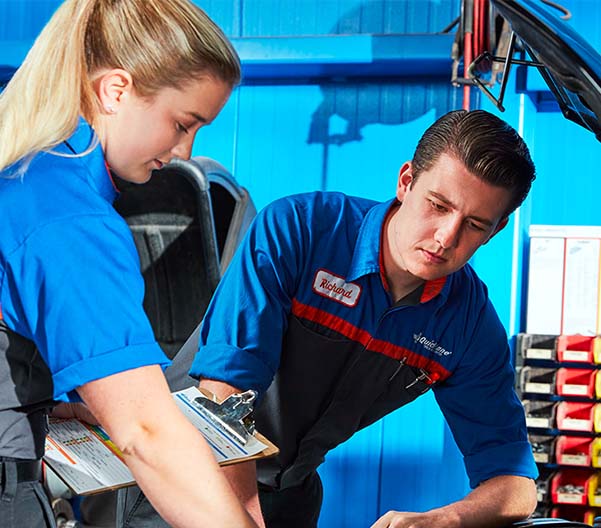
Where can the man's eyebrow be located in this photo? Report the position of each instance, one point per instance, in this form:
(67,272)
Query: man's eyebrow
(440,197)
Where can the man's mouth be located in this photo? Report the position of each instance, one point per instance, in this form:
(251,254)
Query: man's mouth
(434,257)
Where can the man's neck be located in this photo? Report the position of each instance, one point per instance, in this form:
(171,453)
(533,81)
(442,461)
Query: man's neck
(400,282)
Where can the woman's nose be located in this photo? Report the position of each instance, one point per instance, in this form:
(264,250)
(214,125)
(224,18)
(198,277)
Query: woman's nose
(183,149)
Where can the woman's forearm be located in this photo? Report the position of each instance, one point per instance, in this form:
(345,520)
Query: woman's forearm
(171,461)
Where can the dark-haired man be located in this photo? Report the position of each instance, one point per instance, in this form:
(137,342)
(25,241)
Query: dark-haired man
(339,310)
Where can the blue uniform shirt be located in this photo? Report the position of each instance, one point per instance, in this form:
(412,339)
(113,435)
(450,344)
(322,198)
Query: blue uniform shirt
(305,298)
(70,276)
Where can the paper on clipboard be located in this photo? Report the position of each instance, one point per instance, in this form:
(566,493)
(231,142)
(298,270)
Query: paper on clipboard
(84,457)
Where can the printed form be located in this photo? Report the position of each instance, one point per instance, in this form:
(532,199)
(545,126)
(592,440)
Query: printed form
(84,457)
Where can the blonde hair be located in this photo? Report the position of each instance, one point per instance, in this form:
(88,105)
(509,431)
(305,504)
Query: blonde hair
(161,43)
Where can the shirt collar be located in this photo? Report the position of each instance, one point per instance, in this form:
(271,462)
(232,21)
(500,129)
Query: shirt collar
(85,138)
(366,255)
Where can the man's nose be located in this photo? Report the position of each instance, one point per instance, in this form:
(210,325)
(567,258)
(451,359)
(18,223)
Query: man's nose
(447,235)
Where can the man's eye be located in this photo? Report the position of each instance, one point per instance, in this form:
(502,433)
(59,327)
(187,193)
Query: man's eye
(476,227)
(181,128)
(437,207)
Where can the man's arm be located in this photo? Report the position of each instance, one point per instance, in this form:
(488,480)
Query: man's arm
(494,503)
(169,458)
(243,476)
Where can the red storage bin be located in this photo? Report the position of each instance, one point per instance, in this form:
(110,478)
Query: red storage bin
(570,486)
(581,514)
(576,348)
(573,451)
(575,382)
(575,416)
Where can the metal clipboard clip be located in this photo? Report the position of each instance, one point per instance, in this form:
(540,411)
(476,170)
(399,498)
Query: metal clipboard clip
(232,415)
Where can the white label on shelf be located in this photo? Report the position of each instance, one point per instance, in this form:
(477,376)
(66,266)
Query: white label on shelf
(540,388)
(541,458)
(575,355)
(539,353)
(538,422)
(574,460)
(570,498)
(574,390)
(596,500)
(576,424)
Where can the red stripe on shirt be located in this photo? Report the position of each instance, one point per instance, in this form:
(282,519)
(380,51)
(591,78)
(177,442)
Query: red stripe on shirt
(363,337)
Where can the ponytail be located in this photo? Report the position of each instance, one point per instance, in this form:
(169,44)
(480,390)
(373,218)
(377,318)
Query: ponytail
(40,106)
(161,43)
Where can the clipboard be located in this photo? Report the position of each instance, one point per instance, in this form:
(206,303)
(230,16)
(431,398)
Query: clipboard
(88,462)
(233,413)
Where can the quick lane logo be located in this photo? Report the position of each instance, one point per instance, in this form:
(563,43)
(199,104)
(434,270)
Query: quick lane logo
(336,288)
(430,345)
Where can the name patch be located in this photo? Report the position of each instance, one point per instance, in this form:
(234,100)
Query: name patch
(336,288)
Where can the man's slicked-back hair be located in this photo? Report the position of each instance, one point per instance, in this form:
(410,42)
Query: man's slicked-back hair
(488,147)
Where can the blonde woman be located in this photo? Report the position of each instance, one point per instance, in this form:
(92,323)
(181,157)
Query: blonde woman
(109,85)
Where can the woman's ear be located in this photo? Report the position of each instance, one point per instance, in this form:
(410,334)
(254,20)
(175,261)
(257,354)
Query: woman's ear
(112,87)
(404,180)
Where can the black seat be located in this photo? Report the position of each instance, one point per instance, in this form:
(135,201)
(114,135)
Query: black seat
(186,222)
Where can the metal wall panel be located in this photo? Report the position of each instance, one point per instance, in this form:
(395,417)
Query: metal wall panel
(318,17)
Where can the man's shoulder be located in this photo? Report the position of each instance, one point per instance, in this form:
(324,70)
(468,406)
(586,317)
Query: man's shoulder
(468,290)
(319,203)
(469,295)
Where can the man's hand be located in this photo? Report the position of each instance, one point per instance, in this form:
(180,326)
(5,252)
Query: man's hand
(242,477)
(74,410)
(493,504)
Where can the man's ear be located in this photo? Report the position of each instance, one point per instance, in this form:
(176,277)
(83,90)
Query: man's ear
(404,180)
(500,226)
(112,88)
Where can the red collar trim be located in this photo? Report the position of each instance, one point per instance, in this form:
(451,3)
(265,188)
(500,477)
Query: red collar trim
(432,289)
(108,170)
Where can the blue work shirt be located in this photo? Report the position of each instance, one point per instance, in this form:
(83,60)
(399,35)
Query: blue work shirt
(303,316)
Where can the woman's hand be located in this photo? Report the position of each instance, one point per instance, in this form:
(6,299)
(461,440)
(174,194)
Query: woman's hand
(74,410)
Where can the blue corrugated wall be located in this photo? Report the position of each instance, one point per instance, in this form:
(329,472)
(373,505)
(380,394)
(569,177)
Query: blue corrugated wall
(338,134)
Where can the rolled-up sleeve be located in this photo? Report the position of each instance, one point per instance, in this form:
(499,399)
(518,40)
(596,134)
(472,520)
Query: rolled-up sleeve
(75,289)
(242,331)
(482,409)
